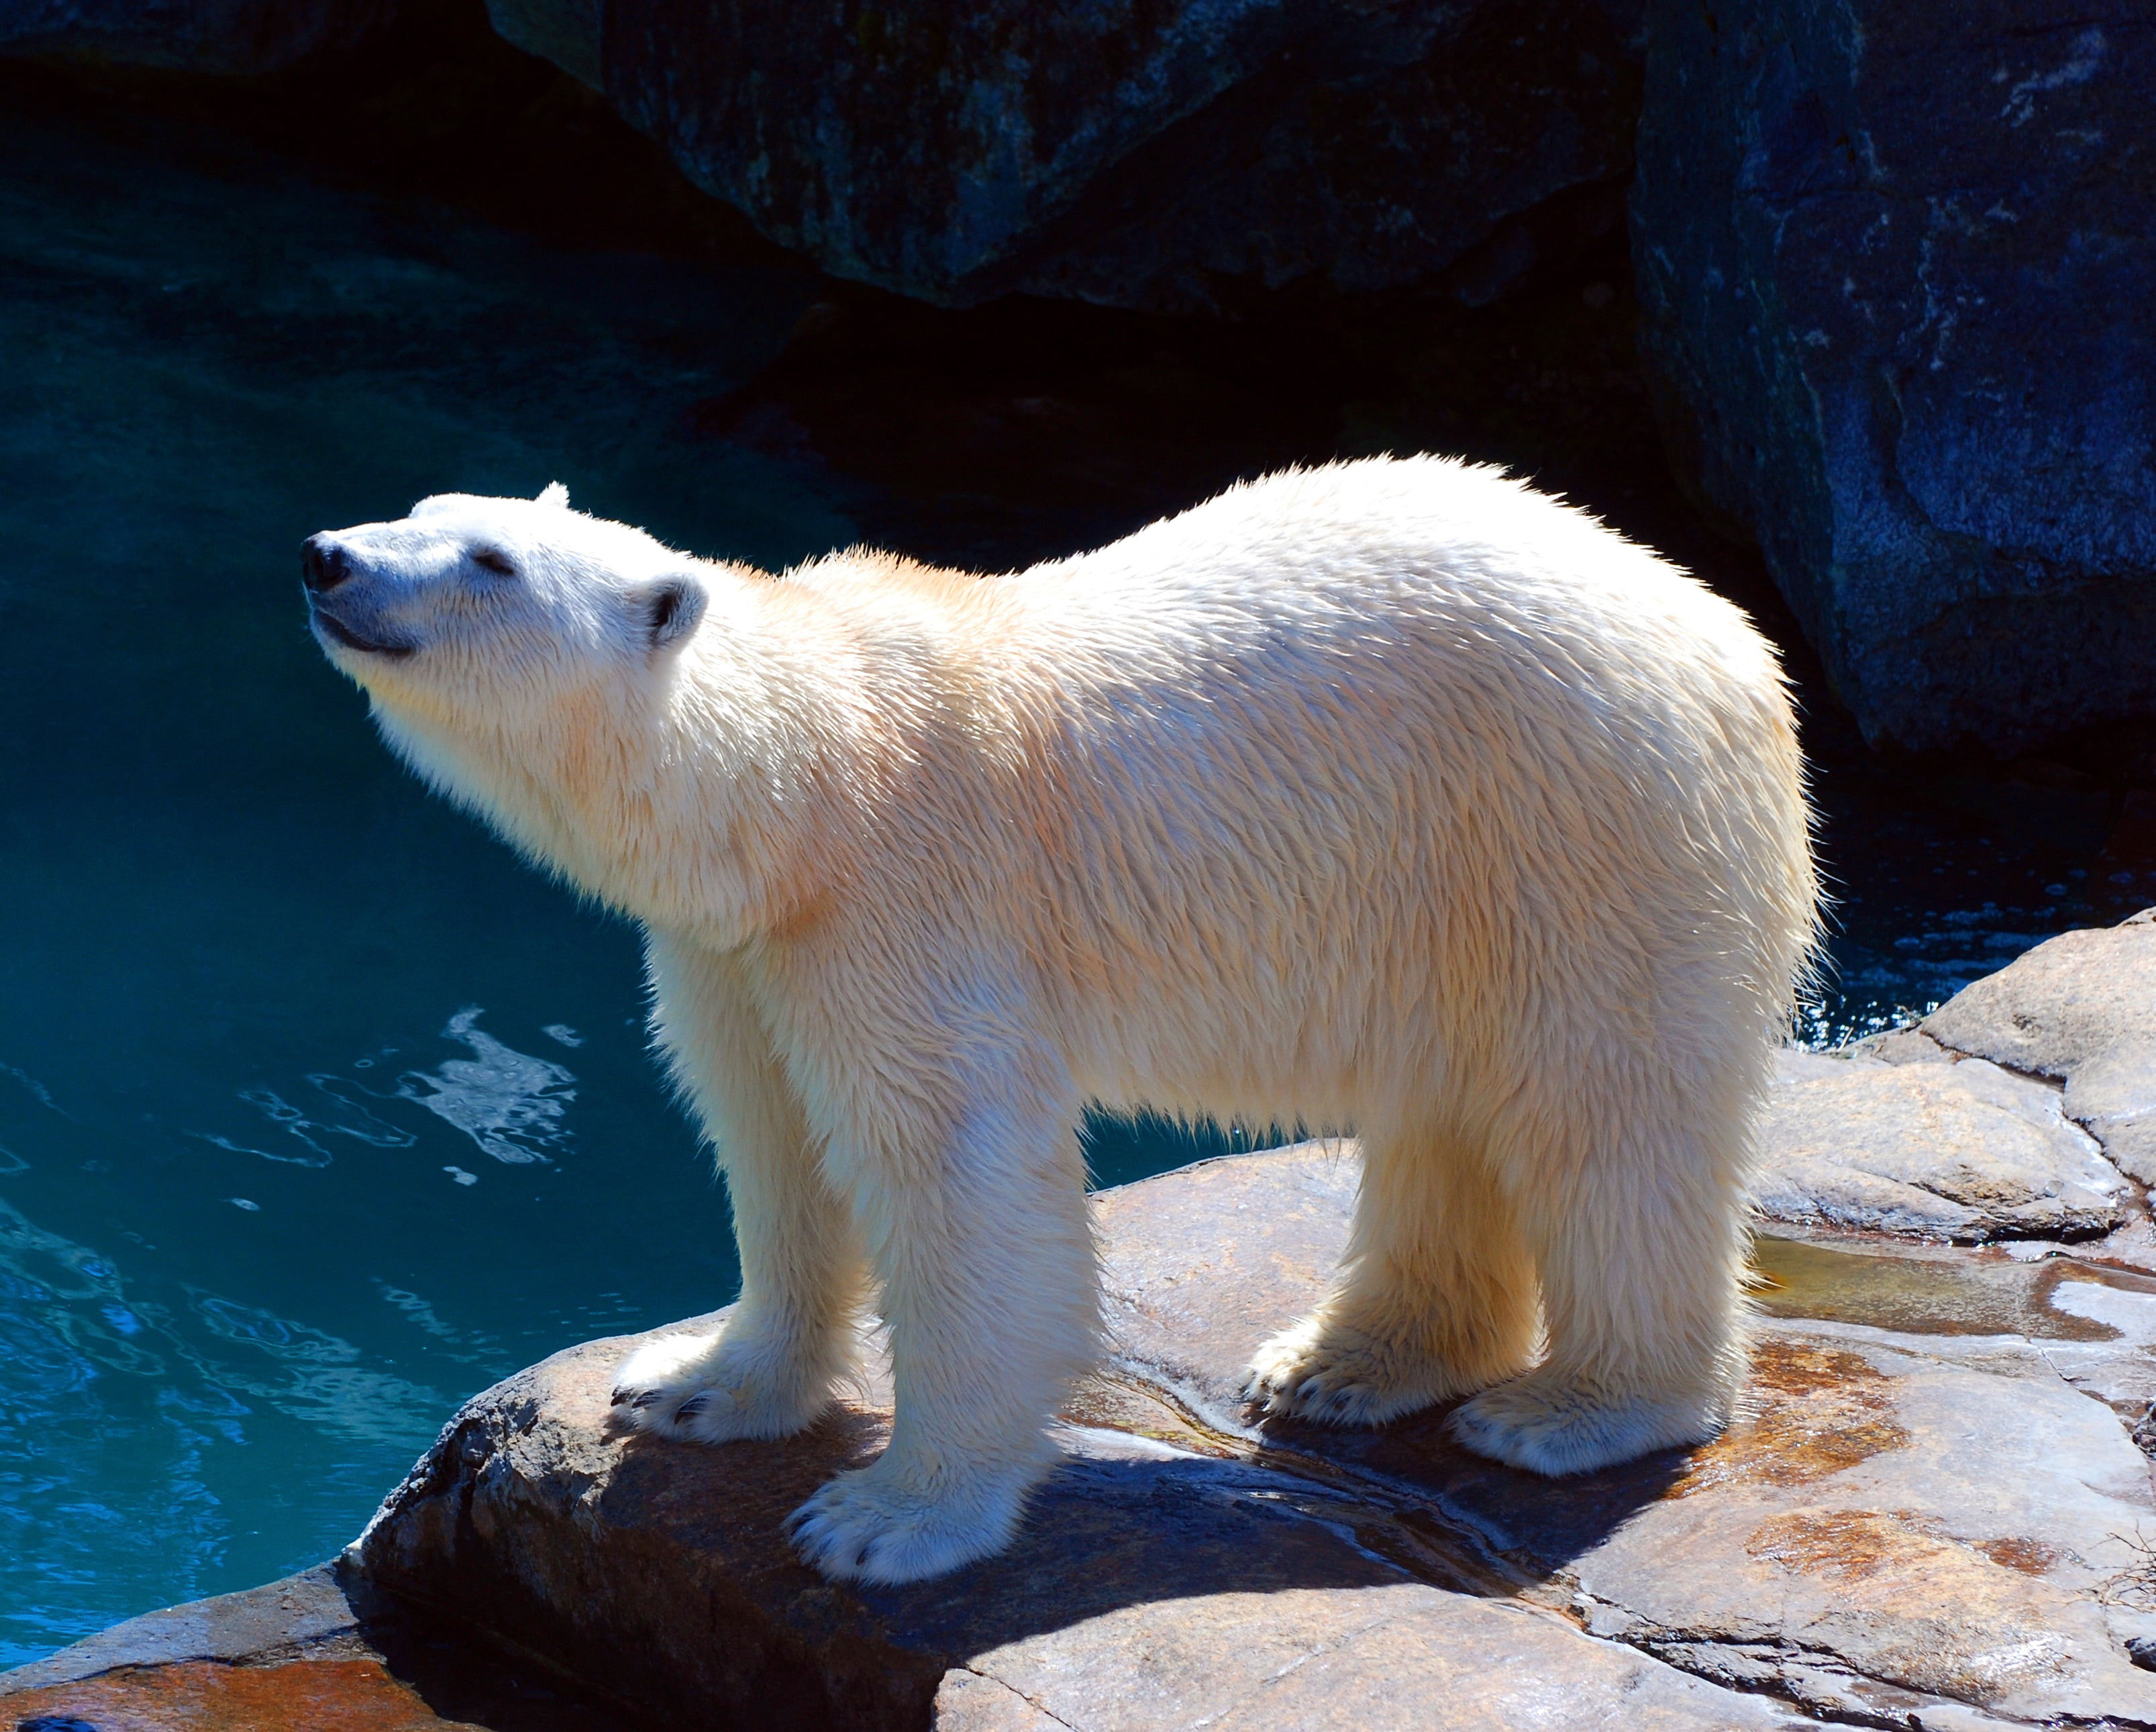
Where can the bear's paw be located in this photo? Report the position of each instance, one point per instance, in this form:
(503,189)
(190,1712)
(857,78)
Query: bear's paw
(1552,1423)
(1326,1373)
(716,1388)
(876,1524)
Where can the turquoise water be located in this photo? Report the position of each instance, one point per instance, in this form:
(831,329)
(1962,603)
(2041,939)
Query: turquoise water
(314,1106)
(317,1112)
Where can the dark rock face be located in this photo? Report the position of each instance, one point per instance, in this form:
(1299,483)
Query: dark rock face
(1132,152)
(234,36)
(1895,269)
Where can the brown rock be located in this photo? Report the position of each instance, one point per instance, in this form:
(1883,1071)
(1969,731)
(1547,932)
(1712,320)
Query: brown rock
(1153,1584)
(1847,1423)
(203,1696)
(318,1651)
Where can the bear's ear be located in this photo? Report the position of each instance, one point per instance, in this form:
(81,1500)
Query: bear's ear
(553,493)
(671,608)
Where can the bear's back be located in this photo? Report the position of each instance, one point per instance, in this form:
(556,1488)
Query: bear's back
(1423,591)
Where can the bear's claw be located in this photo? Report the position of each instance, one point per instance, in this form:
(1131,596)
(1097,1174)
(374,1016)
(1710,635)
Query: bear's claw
(1337,1377)
(714,1389)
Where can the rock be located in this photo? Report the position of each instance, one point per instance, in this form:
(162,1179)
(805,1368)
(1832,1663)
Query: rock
(2071,999)
(2114,1095)
(1903,1046)
(566,32)
(310,1612)
(1903,1528)
(1132,155)
(2081,1007)
(319,1651)
(1162,1580)
(226,36)
(1852,1422)
(1928,1148)
(1893,262)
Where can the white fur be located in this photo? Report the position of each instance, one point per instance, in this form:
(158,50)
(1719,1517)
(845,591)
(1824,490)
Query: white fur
(1390,794)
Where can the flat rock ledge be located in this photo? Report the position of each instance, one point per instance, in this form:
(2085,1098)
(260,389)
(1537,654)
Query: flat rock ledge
(320,1651)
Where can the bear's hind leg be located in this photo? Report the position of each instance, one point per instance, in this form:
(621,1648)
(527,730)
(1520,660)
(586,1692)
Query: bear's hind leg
(804,1278)
(1435,1297)
(1638,1228)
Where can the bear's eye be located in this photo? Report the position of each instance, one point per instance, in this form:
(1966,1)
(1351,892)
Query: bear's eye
(499,563)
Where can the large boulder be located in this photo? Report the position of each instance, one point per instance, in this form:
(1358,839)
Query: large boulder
(223,36)
(1904,1528)
(1132,155)
(1895,267)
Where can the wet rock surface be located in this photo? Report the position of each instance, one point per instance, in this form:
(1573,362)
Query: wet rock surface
(1906,1524)
(1891,260)
(1170,1573)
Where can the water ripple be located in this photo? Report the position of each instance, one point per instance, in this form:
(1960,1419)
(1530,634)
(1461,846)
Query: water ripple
(510,1104)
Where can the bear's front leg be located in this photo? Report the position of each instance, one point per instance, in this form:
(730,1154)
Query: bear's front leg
(794,1331)
(976,1223)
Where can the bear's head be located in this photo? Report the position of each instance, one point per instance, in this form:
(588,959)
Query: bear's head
(475,608)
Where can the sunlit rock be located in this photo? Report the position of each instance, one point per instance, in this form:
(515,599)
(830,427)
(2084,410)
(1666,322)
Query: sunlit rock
(1963,1152)
(2082,1008)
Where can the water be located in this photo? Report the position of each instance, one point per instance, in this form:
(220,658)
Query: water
(315,1106)
(317,1112)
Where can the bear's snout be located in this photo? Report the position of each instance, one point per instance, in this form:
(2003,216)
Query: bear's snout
(323,564)
(343,612)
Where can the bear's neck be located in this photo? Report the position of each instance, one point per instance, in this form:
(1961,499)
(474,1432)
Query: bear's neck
(695,804)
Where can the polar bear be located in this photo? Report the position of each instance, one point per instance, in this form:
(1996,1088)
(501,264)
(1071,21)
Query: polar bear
(1390,794)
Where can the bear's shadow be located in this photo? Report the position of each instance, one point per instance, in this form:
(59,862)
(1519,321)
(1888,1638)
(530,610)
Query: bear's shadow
(1311,1509)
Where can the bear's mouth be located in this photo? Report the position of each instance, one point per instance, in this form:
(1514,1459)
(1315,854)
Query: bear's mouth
(342,634)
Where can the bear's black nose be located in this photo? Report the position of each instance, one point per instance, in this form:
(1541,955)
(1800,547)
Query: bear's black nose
(323,564)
